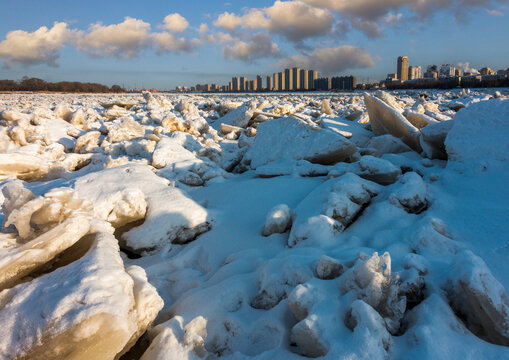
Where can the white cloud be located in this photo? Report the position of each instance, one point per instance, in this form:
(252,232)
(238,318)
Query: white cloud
(228,21)
(365,9)
(205,35)
(371,16)
(331,60)
(297,20)
(224,38)
(370,28)
(495,12)
(38,47)
(376,9)
(167,42)
(257,46)
(124,40)
(175,23)
(392,19)
(294,20)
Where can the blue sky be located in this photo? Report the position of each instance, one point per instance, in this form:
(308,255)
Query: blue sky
(359,37)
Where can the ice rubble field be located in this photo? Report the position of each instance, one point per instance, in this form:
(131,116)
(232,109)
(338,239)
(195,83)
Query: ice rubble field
(353,226)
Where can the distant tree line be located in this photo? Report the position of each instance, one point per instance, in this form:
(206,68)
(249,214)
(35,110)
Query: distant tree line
(35,84)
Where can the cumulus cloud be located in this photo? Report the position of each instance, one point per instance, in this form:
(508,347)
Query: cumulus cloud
(224,38)
(393,19)
(256,47)
(124,40)
(295,20)
(372,16)
(175,23)
(38,47)
(167,42)
(376,9)
(370,28)
(331,60)
(365,9)
(228,21)
(205,35)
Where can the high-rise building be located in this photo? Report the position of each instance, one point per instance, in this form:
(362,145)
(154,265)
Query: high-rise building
(323,83)
(447,70)
(276,82)
(343,83)
(457,72)
(282,81)
(486,71)
(296,78)
(414,72)
(230,86)
(269,83)
(431,70)
(288,80)
(236,83)
(304,79)
(312,76)
(403,68)
(242,86)
(259,82)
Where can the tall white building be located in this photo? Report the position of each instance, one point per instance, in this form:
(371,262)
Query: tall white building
(414,72)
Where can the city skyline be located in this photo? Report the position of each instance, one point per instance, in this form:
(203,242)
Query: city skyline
(167,44)
(297,79)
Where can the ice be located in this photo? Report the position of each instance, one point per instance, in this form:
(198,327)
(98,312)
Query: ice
(327,268)
(412,195)
(329,209)
(87,143)
(294,139)
(238,117)
(278,220)
(174,341)
(370,168)
(308,336)
(133,229)
(22,166)
(184,159)
(433,139)
(12,116)
(86,309)
(127,129)
(147,304)
(479,298)
(326,107)
(388,144)
(475,130)
(171,216)
(385,119)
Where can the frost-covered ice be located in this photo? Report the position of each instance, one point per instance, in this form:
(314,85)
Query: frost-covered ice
(276,226)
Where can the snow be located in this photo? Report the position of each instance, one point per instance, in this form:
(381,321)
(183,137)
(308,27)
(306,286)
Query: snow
(294,139)
(104,321)
(278,220)
(476,129)
(316,227)
(120,192)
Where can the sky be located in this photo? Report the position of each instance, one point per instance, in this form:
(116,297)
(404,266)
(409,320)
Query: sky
(162,44)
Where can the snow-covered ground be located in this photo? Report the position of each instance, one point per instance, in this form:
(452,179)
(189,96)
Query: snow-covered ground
(274,226)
